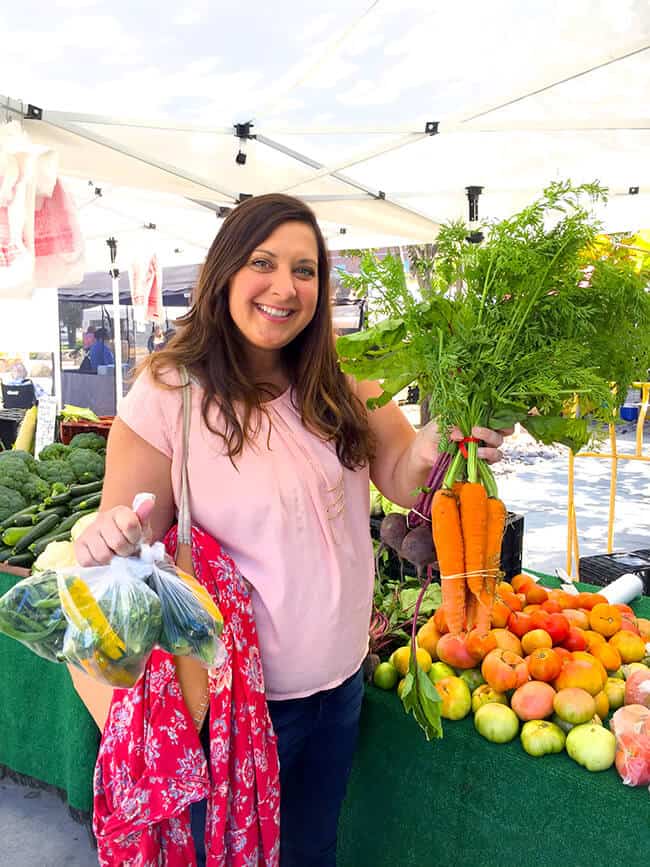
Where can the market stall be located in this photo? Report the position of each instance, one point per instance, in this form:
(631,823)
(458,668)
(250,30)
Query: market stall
(410,802)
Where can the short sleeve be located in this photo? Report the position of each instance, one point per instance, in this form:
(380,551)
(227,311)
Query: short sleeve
(152,412)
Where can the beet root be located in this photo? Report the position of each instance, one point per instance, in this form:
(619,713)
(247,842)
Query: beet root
(417,547)
(393,529)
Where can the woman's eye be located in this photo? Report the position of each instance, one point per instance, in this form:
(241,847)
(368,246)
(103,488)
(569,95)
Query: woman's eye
(261,263)
(306,271)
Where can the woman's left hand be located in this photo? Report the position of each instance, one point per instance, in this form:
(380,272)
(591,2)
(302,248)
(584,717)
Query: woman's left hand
(428,438)
(491,439)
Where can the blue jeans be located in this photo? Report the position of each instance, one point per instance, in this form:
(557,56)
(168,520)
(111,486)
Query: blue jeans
(317,738)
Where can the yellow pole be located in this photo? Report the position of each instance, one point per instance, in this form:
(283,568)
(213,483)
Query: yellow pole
(571,515)
(612,489)
(643,410)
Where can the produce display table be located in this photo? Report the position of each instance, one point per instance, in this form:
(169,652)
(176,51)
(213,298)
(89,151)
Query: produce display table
(459,801)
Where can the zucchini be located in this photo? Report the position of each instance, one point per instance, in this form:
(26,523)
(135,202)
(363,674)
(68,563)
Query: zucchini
(57,499)
(22,521)
(41,529)
(9,520)
(90,501)
(69,522)
(4,553)
(59,511)
(88,488)
(13,535)
(39,546)
(25,559)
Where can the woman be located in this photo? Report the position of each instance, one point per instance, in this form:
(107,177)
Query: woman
(280,455)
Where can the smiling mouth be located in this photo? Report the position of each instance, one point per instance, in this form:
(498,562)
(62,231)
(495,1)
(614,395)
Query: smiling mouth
(275,312)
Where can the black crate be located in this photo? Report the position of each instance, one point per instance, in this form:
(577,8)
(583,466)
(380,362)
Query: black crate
(511,550)
(602,569)
(10,420)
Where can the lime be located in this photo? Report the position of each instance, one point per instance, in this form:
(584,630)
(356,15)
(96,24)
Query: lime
(385,676)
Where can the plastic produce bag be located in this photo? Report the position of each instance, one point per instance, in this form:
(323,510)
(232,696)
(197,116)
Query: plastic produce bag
(114,619)
(191,621)
(631,726)
(30,612)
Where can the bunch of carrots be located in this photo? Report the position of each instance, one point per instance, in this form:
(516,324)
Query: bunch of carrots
(468,522)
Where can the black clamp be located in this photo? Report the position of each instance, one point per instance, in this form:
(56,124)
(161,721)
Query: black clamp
(243,133)
(112,247)
(149,226)
(633,191)
(222,212)
(380,194)
(472,197)
(33,112)
(243,196)
(431,127)
(475,237)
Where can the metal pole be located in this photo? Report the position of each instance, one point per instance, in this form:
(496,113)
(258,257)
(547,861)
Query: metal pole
(117,324)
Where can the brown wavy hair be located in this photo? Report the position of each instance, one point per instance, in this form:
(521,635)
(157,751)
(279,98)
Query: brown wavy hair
(211,347)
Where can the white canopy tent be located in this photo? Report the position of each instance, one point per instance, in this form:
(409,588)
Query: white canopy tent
(378,113)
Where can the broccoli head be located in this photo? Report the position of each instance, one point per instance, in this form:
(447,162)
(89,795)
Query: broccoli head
(88,441)
(10,502)
(13,473)
(56,471)
(54,452)
(87,465)
(25,457)
(36,489)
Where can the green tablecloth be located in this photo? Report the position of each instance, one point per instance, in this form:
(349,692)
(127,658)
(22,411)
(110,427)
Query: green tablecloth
(46,733)
(459,801)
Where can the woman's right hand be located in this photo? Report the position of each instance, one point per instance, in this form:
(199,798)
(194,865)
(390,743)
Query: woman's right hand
(119,531)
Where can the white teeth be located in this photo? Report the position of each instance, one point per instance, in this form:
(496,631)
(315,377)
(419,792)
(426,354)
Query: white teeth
(274,311)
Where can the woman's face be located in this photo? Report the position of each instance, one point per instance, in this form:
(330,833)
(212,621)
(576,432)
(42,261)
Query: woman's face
(274,296)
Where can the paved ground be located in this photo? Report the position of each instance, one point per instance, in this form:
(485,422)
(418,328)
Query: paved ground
(35,828)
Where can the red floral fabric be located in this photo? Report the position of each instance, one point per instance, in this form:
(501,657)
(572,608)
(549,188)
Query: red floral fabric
(151,766)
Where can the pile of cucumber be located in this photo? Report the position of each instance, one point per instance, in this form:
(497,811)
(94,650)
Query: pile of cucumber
(27,534)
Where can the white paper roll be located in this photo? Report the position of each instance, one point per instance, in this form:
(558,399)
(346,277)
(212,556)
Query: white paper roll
(624,589)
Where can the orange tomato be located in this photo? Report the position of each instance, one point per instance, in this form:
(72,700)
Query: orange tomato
(500,613)
(536,594)
(602,704)
(440,621)
(575,640)
(607,654)
(630,646)
(530,609)
(520,623)
(520,582)
(582,673)
(504,670)
(563,653)
(535,640)
(513,602)
(604,618)
(577,618)
(589,600)
(563,599)
(593,638)
(623,608)
(643,625)
(479,644)
(552,606)
(544,664)
(506,640)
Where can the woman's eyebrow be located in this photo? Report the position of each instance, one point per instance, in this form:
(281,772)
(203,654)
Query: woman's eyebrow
(274,256)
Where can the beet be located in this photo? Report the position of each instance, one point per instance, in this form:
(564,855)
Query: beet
(393,529)
(417,547)
(370,663)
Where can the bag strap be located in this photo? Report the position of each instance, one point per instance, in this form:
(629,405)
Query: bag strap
(184,518)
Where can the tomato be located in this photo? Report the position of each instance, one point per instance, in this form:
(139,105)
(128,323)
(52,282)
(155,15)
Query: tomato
(552,606)
(536,595)
(520,583)
(575,640)
(557,627)
(520,623)
(541,620)
(544,664)
(500,613)
(588,600)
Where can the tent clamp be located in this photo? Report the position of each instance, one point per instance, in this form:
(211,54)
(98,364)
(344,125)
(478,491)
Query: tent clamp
(472,196)
(243,133)
(431,127)
(149,226)
(33,112)
(475,237)
(223,211)
(243,196)
(633,191)
(380,194)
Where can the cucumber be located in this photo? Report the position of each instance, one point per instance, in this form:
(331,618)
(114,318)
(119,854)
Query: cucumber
(59,511)
(25,559)
(13,535)
(57,499)
(38,547)
(41,529)
(22,521)
(84,490)
(69,522)
(90,501)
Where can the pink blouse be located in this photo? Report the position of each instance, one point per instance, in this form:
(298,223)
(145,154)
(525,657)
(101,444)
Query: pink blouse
(294,520)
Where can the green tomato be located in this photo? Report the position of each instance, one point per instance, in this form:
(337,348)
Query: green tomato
(385,676)
(592,746)
(540,737)
(439,670)
(496,723)
(472,677)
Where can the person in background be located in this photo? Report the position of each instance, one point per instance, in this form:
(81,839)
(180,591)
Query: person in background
(99,352)
(157,338)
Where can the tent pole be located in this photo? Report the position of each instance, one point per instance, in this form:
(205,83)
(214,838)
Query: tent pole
(117,324)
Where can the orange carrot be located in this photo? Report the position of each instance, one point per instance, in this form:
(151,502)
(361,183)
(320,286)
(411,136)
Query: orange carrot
(448,539)
(473,518)
(496,524)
